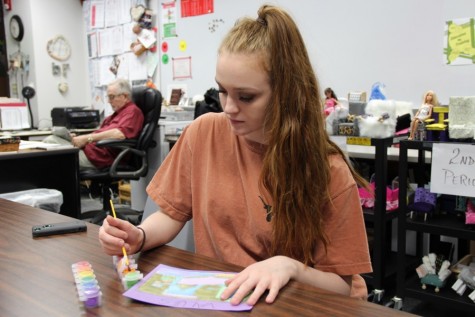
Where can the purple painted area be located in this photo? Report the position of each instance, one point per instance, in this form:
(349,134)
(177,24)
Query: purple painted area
(181,301)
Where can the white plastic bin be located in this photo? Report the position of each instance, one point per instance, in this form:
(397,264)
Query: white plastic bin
(43,198)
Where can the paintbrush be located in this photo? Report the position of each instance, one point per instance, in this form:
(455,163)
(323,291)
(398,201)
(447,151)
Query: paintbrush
(123,248)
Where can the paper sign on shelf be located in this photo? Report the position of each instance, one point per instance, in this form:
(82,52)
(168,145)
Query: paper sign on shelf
(452,169)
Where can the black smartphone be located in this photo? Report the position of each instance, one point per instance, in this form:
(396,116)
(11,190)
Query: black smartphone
(58,228)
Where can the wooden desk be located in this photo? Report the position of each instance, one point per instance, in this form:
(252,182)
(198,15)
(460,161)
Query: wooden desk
(36,277)
(53,169)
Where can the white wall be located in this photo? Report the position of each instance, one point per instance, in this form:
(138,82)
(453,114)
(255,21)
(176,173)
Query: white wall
(352,44)
(44,20)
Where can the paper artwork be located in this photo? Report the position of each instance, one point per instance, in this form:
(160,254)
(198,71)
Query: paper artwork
(174,287)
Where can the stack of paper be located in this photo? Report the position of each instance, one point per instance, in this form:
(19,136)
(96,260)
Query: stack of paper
(43,146)
(13,114)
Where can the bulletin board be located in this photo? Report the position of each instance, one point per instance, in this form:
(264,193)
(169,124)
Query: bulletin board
(114,50)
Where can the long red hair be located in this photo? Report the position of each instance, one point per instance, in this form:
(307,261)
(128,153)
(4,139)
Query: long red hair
(296,168)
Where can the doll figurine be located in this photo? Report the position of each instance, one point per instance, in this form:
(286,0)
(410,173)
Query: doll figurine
(330,101)
(424,112)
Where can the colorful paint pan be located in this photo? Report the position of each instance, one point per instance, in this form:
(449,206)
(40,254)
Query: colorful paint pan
(87,286)
(132,278)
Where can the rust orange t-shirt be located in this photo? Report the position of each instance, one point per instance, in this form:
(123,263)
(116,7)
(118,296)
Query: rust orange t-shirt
(211,175)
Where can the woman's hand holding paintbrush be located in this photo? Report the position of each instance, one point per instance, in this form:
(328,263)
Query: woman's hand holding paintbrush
(123,248)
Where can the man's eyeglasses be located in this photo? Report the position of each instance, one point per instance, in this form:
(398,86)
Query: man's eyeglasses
(112,97)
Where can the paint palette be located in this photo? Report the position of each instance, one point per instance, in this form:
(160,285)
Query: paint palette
(129,274)
(87,286)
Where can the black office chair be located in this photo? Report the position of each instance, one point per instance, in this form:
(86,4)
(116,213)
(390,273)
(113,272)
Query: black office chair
(132,161)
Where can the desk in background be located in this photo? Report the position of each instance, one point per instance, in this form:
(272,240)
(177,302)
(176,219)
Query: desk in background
(36,277)
(40,134)
(172,139)
(26,134)
(53,169)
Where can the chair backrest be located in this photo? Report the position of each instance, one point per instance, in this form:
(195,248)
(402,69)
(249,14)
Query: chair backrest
(423,195)
(149,100)
(210,103)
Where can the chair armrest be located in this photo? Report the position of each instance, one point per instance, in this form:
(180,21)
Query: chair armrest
(127,152)
(135,174)
(117,143)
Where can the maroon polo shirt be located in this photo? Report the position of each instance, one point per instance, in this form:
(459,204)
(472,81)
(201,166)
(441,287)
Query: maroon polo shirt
(128,119)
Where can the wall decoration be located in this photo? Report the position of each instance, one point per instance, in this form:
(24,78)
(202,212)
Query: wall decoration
(182,45)
(96,15)
(16,28)
(164,47)
(459,42)
(191,8)
(137,12)
(55,69)
(64,69)
(63,87)
(114,67)
(59,48)
(18,72)
(213,25)
(181,67)
(168,19)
